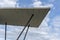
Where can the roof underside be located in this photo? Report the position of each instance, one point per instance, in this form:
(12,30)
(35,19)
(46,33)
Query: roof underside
(19,16)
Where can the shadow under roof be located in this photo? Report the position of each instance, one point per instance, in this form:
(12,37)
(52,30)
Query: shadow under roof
(20,16)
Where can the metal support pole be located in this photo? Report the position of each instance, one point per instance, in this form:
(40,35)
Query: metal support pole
(25,26)
(5,30)
(26,32)
(20,33)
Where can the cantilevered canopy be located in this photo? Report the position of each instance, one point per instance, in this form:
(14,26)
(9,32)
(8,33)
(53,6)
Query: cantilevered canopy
(20,16)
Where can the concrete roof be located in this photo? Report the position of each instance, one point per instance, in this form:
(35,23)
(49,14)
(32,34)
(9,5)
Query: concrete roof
(20,16)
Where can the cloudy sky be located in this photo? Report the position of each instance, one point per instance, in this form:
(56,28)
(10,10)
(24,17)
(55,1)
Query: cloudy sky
(49,28)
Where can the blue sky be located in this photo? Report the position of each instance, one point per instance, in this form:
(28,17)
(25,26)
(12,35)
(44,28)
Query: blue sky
(49,28)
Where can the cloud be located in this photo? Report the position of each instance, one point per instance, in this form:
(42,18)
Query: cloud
(3,39)
(55,25)
(7,3)
(38,3)
(12,31)
(56,21)
(54,37)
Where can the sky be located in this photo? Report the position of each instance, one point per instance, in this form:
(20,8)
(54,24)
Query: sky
(49,28)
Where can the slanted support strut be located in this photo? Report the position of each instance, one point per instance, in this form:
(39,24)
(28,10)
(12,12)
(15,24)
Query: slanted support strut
(5,29)
(25,26)
(20,33)
(26,32)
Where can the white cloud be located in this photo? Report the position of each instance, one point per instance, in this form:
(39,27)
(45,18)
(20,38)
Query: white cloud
(12,31)
(7,3)
(56,29)
(3,39)
(56,21)
(56,24)
(54,37)
(38,3)
(48,5)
